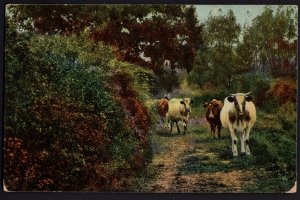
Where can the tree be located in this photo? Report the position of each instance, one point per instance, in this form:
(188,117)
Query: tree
(57,19)
(155,32)
(269,45)
(217,59)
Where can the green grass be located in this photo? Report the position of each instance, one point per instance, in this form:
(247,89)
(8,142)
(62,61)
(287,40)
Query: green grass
(198,111)
(142,180)
(272,160)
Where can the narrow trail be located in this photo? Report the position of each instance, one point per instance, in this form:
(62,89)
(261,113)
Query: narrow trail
(168,162)
(189,163)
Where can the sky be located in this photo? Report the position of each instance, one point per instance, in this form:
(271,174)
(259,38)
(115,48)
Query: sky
(240,11)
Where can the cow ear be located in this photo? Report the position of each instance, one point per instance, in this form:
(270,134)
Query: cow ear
(166,97)
(230,98)
(205,105)
(182,102)
(248,98)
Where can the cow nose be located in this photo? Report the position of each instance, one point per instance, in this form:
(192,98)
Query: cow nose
(188,110)
(211,116)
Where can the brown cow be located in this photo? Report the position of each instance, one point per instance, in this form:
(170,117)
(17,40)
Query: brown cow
(163,108)
(213,110)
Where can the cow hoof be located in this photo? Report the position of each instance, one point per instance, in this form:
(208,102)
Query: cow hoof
(248,153)
(235,154)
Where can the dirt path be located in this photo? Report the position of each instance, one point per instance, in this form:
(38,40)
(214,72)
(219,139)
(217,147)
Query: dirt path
(191,163)
(168,163)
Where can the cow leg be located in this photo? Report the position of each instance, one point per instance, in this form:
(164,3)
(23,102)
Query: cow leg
(178,130)
(165,122)
(167,119)
(171,121)
(214,130)
(185,127)
(219,130)
(211,129)
(242,138)
(247,131)
(234,141)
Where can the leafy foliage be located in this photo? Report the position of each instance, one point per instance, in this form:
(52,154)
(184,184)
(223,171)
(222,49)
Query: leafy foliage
(158,32)
(269,44)
(284,91)
(64,114)
(78,113)
(216,61)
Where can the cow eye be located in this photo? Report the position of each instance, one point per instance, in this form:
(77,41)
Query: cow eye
(182,102)
(248,98)
(230,98)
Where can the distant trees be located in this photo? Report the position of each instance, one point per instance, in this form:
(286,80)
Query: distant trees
(268,45)
(216,61)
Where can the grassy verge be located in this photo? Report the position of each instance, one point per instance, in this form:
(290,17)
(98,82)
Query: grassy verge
(270,168)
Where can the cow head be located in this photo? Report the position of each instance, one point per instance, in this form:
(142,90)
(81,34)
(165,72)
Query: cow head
(239,100)
(212,108)
(187,104)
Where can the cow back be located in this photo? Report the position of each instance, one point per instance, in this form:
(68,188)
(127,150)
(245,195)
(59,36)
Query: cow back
(176,109)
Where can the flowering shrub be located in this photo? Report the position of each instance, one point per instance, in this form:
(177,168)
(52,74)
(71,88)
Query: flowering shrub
(72,122)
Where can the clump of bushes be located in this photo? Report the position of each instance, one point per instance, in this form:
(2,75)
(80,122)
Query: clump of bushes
(72,122)
(256,83)
(284,91)
(281,91)
(207,95)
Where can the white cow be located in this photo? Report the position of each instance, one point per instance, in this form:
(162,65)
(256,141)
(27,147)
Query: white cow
(179,110)
(239,115)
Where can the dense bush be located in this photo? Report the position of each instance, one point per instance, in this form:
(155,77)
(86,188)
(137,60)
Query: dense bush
(208,94)
(72,121)
(287,117)
(256,83)
(283,91)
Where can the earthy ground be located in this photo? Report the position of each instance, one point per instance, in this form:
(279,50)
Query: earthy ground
(195,162)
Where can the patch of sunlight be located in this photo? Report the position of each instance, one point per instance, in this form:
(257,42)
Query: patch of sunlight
(225,162)
(209,154)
